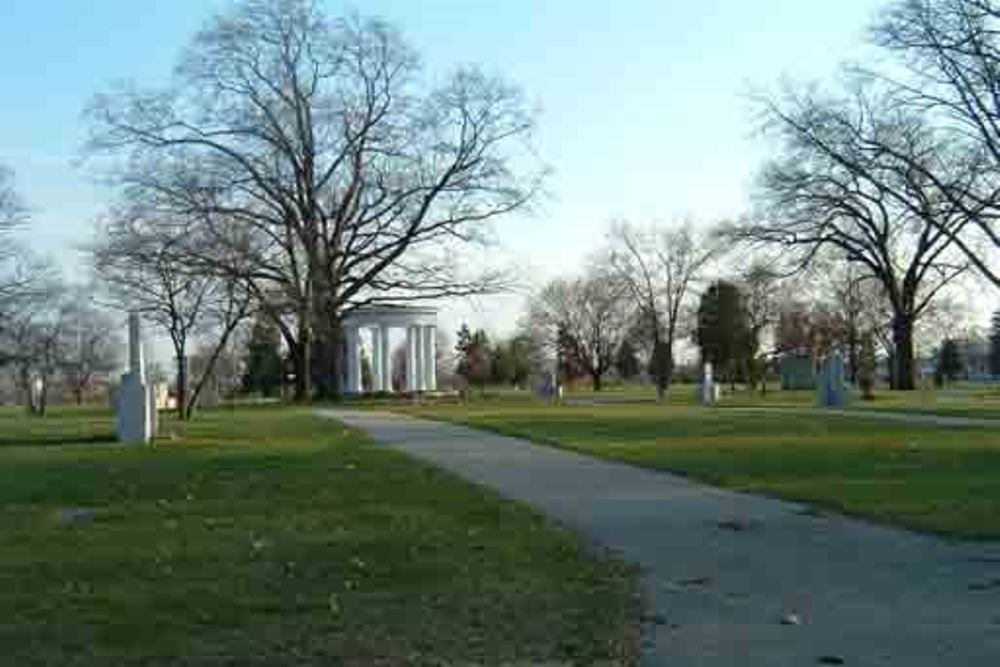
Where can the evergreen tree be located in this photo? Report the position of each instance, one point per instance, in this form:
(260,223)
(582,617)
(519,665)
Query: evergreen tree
(474,359)
(626,360)
(463,340)
(263,359)
(723,332)
(949,365)
(995,344)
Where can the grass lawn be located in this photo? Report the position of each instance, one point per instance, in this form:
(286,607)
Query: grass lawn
(267,536)
(961,399)
(944,480)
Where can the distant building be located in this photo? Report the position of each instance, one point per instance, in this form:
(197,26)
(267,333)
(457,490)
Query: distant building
(798,370)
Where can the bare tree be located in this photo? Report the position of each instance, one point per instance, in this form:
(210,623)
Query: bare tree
(147,274)
(305,157)
(17,270)
(952,51)
(90,345)
(658,267)
(586,319)
(759,283)
(833,187)
(32,340)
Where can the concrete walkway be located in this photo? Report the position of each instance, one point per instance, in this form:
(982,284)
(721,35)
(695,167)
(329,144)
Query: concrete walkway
(738,579)
(928,418)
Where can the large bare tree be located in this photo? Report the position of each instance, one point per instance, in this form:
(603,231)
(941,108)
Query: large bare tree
(307,157)
(658,266)
(832,185)
(951,49)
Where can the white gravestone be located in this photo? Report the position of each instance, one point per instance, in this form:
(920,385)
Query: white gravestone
(832,390)
(136,407)
(709,392)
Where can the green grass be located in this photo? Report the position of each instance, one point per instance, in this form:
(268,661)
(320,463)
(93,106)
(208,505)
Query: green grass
(268,536)
(943,480)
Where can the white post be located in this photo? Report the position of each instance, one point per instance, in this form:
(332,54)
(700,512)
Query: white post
(430,371)
(353,361)
(135,352)
(411,359)
(421,358)
(386,362)
(707,385)
(376,359)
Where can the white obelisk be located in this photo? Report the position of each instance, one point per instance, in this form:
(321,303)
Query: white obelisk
(136,411)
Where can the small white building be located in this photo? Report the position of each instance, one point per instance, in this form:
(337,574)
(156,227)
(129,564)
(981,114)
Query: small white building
(420,324)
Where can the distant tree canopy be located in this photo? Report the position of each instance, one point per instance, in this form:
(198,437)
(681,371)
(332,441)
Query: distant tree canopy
(511,362)
(723,331)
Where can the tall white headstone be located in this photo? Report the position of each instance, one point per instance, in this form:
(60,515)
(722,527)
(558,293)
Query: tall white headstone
(708,392)
(136,402)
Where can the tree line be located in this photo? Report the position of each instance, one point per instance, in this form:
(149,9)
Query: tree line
(299,166)
(890,179)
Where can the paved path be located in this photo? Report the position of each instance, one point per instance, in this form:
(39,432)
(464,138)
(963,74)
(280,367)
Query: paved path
(929,418)
(724,568)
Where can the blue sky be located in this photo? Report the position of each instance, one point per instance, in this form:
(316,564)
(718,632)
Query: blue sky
(643,102)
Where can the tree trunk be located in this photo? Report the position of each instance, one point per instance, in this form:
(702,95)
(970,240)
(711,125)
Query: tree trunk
(26,389)
(43,397)
(852,353)
(182,384)
(903,364)
(329,355)
(595,381)
(303,363)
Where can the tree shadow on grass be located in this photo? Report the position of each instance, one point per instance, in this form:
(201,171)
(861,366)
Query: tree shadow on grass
(55,440)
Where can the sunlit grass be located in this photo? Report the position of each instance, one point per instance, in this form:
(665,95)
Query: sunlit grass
(926,477)
(268,536)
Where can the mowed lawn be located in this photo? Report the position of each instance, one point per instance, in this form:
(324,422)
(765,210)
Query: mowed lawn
(966,399)
(268,536)
(944,480)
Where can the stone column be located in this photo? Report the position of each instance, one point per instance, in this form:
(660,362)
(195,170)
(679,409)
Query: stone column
(386,362)
(353,361)
(376,359)
(411,359)
(430,370)
(421,358)
(135,352)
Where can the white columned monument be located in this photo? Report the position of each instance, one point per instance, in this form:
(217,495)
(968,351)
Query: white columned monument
(420,325)
(136,407)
